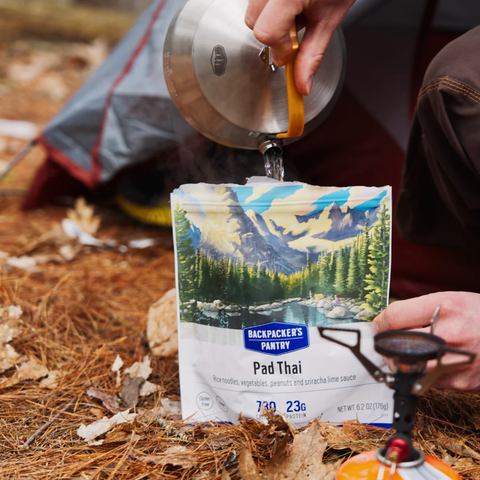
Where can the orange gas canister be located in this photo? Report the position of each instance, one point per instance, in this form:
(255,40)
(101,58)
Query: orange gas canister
(367,466)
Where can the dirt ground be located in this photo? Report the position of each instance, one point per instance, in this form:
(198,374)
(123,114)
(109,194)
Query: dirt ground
(80,313)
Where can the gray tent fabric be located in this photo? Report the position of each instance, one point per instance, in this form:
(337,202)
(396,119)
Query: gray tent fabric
(123,114)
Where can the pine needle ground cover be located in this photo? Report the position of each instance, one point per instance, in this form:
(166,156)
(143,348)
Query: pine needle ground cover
(79,316)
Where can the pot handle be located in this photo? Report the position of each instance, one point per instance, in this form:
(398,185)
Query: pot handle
(296,110)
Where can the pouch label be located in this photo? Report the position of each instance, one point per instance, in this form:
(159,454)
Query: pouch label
(276,338)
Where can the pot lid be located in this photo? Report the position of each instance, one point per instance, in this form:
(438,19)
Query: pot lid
(234,75)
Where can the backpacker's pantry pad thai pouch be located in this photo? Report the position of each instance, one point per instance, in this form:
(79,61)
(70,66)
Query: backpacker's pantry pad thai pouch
(259,267)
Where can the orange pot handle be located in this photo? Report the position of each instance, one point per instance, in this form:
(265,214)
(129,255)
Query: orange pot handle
(296,110)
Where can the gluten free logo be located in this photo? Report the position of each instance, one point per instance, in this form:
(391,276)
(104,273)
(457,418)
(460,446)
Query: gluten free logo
(204,401)
(219,60)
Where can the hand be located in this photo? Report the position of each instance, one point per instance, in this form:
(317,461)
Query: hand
(458,324)
(271,20)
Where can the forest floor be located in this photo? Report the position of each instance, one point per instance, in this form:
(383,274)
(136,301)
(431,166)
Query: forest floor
(83,307)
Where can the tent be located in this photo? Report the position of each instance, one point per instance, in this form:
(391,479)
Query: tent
(122,115)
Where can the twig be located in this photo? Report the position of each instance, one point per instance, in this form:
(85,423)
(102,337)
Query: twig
(19,156)
(47,425)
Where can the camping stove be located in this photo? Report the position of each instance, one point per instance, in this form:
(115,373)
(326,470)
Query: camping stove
(409,353)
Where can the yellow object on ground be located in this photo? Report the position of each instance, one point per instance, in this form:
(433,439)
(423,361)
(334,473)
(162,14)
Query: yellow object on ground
(155,215)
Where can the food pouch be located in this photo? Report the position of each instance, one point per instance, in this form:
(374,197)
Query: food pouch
(258,268)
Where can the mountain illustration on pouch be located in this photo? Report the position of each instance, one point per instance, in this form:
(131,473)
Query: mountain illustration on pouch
(254,254)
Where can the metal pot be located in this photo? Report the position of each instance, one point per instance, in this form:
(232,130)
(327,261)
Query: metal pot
(223,82)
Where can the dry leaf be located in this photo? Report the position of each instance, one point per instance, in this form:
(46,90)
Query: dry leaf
(142,243)
(457,447)
(218,442)
(9,326)
(340,437)
(162,325)
(123,433)
(10,313)
(116,367)
(9,357)
(131,391)
(31,370)
(28,264)
(169,409)
(96,412)
(95,429)
(178,456)
(51,381)
(247,467)
(55,237)
(148,388)
(67,252)
(117,364)
(39,63)
(9,329)
(83,216)
(31,264)
(53,258)
(140,369)
(464,463)
(73,230)
(135,385)
(303,463)
(107,401)
(277,423)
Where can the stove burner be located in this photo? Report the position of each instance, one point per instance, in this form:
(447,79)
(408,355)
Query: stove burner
(409,347)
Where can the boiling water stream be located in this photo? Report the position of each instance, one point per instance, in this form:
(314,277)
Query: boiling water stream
(273,158)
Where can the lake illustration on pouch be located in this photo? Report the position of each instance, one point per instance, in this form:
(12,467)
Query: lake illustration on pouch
(281,252)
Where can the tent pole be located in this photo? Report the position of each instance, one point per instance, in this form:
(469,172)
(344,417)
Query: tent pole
(19,156)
